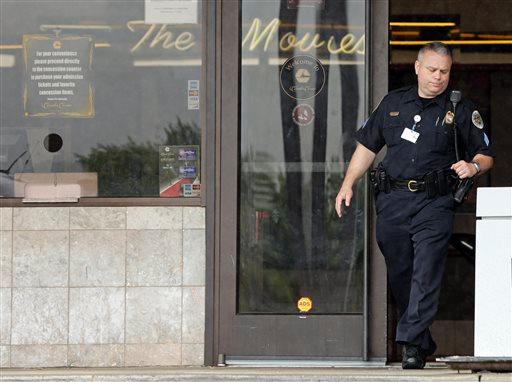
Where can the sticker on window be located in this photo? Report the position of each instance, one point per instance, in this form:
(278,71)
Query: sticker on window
(304,304)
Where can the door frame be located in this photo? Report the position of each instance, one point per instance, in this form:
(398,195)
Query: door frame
(218,32)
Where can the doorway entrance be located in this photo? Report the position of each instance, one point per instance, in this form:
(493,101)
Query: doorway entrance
(482,51)
(292,276)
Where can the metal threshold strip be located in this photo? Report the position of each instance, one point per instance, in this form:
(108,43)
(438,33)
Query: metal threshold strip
(503,364)
(304,363)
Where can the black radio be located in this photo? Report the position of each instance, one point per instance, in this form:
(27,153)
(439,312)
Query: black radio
(463,186)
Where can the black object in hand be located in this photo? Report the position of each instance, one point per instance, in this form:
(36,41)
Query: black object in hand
(462,189)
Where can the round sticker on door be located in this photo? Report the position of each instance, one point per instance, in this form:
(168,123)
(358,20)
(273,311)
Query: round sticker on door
(304,304)
(302,77)
(303,114)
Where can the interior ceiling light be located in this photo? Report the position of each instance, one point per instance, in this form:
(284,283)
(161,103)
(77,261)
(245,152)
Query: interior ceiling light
(405,33)
(96,45)
(6,47)
(487,35)
(421,24)
(456,42)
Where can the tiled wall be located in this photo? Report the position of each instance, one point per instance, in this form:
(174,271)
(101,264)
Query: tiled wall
(98,286)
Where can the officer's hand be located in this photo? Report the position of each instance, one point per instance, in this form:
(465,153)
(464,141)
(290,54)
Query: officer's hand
(345,194)
(464,169)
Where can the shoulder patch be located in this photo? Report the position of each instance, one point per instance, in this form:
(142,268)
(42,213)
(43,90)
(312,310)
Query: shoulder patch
(477,120)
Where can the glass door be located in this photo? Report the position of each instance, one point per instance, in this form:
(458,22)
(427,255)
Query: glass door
(291,272)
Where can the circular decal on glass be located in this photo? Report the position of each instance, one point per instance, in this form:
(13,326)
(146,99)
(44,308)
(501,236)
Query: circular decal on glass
(302,77)
(303,114)
(304,304)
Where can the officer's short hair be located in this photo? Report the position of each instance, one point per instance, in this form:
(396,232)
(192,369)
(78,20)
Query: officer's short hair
(437,47)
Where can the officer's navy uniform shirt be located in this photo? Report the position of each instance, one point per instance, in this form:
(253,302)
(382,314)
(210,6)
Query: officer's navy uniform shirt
(434,148)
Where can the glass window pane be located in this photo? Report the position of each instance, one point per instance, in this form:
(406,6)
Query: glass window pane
(101,87)
(302,99)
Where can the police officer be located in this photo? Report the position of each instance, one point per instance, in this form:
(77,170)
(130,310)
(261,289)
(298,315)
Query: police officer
(415,204)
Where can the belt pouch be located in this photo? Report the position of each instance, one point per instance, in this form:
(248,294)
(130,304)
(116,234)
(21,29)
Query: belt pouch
(431,184)
(442,182)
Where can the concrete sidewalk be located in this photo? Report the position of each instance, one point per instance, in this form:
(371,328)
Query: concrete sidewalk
(206,374)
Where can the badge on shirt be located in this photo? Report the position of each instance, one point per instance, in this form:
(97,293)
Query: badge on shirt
(477,120)
(410,135)
(394,113)
(448,118)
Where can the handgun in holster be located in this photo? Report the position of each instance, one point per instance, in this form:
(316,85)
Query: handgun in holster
(373,182)
(383,180)
(380,180)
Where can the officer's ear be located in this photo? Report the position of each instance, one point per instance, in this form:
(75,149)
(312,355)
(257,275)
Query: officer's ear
(417,67)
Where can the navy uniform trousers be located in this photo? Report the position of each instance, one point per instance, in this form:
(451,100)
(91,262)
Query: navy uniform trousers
(413,233)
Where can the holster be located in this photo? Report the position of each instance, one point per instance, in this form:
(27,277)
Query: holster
(373,182)
(383,183)
(380,180)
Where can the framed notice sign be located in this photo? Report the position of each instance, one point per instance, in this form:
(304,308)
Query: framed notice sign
(179,171)
(295,4)
(58,76)
(170,11)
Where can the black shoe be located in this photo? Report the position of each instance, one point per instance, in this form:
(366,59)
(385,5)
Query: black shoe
(413,357)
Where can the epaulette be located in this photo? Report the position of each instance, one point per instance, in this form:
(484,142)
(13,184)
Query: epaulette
(395,95)
(401,90)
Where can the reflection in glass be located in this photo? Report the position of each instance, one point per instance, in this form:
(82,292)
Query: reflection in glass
(145,80)
(302,99)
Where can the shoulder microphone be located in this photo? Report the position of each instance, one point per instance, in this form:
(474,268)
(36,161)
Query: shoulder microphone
(455,96)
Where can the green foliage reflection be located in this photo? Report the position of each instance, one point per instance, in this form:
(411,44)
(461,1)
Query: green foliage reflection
(278,265)
(132,169)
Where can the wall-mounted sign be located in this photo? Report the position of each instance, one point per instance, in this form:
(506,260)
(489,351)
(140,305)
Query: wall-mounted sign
(294,4)
(58,76)
(302,77)
(179,171)
(170,11)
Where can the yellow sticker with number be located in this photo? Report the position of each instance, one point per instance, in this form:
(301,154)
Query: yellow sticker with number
(304,304)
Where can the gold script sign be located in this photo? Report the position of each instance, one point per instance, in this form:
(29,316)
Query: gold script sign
(348,44)
(158,35)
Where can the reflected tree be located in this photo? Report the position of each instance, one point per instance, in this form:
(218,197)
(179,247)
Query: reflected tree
(132,169)
(270,279)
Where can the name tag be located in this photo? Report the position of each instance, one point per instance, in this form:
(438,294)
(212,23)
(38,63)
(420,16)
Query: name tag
(409,135)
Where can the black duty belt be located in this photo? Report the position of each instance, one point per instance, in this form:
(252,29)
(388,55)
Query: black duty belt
(412,185)
(434,183)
